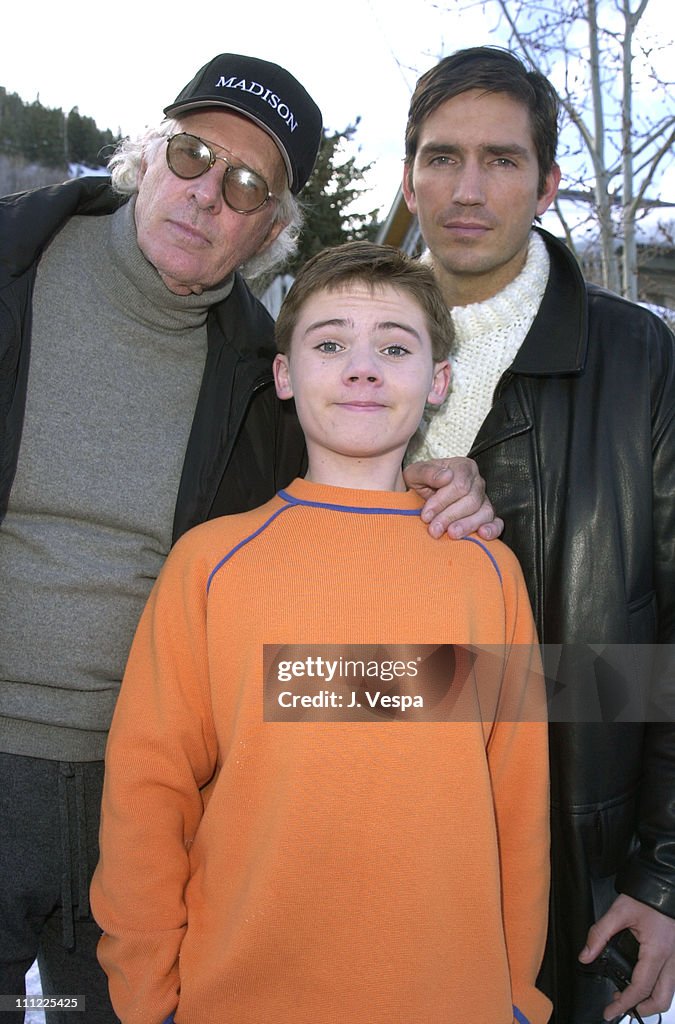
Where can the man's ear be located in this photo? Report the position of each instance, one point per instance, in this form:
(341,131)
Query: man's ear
(282,376)
(408,191)
(275,230)
(550,190)
(440,383)
(142,168)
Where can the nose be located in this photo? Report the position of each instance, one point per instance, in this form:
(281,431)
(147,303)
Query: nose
(469,186)
(207,189)
(362,366)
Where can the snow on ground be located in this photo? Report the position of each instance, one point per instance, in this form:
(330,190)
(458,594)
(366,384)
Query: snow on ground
(33,989)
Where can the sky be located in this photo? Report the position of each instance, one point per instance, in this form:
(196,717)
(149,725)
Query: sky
(357,58)
(122,65)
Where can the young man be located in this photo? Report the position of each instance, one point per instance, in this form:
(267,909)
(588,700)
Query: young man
(283,840)
(565,396)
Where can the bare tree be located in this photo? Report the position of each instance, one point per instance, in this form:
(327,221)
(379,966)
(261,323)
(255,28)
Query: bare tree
(619,124)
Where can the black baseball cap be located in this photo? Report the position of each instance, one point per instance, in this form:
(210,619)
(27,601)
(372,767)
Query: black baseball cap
(268,95)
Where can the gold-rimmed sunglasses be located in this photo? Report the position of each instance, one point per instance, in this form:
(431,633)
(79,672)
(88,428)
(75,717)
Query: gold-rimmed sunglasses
(244,190)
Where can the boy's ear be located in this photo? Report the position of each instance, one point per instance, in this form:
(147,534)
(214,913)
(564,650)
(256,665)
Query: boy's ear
(282,376)
(440,383)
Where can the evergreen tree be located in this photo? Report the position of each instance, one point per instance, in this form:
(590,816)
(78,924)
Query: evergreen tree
(332,188)
(43,139)
(86,143)
(49,137)
(11,122)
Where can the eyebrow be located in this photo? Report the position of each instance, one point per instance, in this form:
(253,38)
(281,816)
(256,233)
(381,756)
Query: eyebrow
(383,325)
(491,148)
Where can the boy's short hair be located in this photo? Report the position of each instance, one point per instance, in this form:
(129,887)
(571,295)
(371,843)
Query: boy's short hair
(495,70)
(375,266)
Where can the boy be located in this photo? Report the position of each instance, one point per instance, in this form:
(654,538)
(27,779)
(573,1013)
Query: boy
(279,844)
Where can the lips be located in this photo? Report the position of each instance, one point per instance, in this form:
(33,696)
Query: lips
(468,226)
(188,233)
(362,406)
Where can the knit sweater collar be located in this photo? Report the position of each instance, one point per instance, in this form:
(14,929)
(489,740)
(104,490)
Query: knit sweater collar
(303,491)
(488,337)
(515,306)
(135,285)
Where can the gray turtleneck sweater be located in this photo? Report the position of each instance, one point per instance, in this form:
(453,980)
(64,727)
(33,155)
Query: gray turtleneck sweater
(116,365)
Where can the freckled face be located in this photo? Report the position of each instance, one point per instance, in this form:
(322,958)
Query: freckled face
(360,370)
(185,228)
(474,187)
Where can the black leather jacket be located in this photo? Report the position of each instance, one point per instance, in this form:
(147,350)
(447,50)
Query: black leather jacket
(578,452)
(244,444)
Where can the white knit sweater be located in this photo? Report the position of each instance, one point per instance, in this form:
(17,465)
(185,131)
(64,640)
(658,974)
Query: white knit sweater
(488,336)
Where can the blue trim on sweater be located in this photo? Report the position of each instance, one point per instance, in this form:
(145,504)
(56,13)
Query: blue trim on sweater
(350,508)
(243,542)
(474,540)
(292,502)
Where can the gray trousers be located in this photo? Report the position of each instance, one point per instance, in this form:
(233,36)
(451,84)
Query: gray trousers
(49,818)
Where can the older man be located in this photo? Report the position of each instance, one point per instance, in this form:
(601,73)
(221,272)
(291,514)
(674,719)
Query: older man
(136,399)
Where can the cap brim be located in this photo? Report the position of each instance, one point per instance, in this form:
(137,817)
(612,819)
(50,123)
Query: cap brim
(182,108)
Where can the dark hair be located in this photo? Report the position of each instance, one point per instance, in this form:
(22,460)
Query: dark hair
(375,266)
(491,69)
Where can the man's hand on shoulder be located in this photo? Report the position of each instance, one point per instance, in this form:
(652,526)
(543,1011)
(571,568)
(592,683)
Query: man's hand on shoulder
(653,984)
(456,499)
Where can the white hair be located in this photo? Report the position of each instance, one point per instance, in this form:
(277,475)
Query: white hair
(124,166)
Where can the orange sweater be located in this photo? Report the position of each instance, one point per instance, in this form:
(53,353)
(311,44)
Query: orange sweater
(312,872)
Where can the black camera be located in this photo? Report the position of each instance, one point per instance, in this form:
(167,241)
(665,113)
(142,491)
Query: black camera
(617,959)
(616,962)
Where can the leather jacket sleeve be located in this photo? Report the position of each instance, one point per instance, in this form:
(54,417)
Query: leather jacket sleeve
(649,874)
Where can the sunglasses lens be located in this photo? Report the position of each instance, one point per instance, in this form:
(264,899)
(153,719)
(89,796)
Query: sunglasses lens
(187,156)
(244,190)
